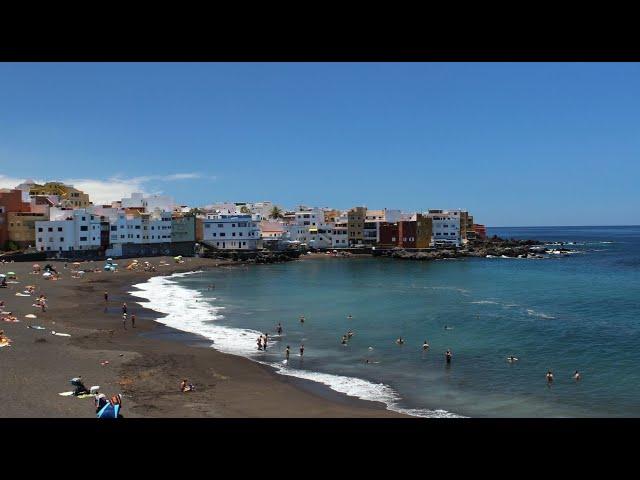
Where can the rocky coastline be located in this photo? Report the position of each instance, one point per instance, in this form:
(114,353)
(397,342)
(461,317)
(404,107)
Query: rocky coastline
(489,248)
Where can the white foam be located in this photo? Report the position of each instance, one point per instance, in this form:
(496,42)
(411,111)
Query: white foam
(182,312)
(485,302)
(533,313)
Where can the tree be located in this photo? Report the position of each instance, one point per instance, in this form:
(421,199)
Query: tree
(196,211)
(275,213)
(244,209)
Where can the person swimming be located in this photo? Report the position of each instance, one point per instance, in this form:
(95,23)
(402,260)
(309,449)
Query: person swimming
(549,377)
(511,359)
(301,319)
(279,329)
(425,345)
(447,327)
(344,340)
(576,376)
(349,334)
(349,317)
(400,341)
(448,355)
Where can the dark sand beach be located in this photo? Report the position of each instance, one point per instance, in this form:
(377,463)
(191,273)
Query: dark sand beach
(146,364)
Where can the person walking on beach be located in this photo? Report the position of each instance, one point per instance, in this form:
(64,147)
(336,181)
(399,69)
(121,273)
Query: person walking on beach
(286,353)
(106,297)
(124,307)
(124,320)
(302,350)
(448,355)
(133,320)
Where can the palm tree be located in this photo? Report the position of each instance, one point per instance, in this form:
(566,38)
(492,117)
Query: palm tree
(275,213)
(244,209)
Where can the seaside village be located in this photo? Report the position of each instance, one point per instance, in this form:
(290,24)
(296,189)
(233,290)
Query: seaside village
(62,222)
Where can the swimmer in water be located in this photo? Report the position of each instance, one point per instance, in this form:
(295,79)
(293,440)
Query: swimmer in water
(286,352)
(425,345)
(349,317)
(448,355)
(400,341)
(301,319)
(511,359)
(549,378)
(349,334)
(344,340)
(577,377)
(279,329)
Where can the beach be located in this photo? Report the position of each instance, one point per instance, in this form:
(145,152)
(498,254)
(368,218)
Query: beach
(145,364)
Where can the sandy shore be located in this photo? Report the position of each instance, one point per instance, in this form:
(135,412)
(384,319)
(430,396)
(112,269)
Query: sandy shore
(145,363)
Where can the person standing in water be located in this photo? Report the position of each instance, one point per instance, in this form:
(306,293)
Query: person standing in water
(448,355)
(264,342)
(279,329)
(301,350)
(576,376)
(349,317)
(549,378)
(301,319)
(133,320)
(286,353)
(260,342)
(344,340)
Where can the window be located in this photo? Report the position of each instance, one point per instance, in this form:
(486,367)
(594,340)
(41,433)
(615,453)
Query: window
(114,228)
(40,229)
(59,229)
(62,239)
(222,234)
(50,229)
(213,234)
(83,228)
(233,234)
(84,219)
(83,239)
(206,225)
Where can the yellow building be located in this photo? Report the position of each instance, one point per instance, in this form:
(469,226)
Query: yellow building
(355,225)
(70,197)
(21,227)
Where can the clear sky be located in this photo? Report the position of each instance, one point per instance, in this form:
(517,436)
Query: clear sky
(515,143)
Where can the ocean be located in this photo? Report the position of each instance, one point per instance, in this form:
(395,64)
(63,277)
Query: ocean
(562,313)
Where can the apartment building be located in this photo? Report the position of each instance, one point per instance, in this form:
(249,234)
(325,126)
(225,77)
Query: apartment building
(68,231)
(355,225)
(232,231)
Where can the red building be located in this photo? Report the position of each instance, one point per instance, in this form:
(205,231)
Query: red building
(10,201)
(480,230)
(388,234)
(407,234)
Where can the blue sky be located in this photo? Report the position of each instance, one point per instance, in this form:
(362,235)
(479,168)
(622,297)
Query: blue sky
(515,143)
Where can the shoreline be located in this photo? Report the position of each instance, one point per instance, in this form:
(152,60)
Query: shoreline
(146,364)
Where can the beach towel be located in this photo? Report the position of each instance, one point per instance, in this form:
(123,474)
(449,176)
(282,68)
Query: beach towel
(30,315)
(5,343)
(60,334)
(70,394)
(36,327)
(11,320)
(18,294)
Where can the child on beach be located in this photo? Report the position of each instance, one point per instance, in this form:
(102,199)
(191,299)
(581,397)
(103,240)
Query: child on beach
(124,320)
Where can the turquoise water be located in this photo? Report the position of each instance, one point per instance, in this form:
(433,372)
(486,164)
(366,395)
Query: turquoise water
(566,313)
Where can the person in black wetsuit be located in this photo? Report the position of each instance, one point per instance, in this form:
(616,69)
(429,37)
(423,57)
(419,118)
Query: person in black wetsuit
(448,355)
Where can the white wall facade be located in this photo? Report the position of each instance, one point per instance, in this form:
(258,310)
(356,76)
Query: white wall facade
(73,230)
(140,229)
(445,226)
(232,232)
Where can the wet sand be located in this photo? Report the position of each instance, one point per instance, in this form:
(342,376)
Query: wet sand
(146,364)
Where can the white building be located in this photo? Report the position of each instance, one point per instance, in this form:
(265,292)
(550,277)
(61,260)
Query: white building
(445,226)
(339,237)
(140,228)
(150,203)
(232,231)
(68,230)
